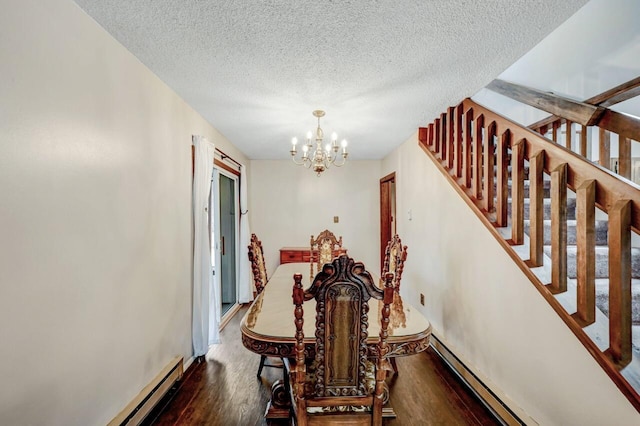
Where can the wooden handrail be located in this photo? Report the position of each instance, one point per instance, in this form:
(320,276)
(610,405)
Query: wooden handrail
(474,153)
(610,188)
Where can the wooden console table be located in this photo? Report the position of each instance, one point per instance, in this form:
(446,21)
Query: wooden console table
(303,254)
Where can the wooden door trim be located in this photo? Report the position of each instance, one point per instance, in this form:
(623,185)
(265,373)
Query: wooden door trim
(391,177)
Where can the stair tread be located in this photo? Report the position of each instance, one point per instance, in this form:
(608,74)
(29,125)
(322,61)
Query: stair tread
(635,251)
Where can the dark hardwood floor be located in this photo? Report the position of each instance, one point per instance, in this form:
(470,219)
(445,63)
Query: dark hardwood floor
(224,390)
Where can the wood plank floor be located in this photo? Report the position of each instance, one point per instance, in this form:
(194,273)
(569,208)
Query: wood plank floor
(224,390)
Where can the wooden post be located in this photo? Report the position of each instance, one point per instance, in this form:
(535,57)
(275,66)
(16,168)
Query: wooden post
(568,135)
(624,156)
(517,192)
(554,129)
(430,137)
(451,118)
(458,140)
(605,149)
(476,188)
(467,141)
(559,229)
(423,136)
(620,283)
(502,172)
(443,136)
(583,142)
(489,165)
(437,137)
(536,209)
(586,262)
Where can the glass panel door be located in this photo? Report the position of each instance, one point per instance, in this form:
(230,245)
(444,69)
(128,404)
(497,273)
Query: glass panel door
(227,241)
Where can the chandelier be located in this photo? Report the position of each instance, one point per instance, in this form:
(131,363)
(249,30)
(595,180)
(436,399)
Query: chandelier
(322,157)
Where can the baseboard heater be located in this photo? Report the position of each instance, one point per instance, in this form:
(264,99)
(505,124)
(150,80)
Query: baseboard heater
(503,413)
(136,411)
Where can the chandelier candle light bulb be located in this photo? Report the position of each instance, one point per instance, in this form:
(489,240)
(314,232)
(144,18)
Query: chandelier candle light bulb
(321,159)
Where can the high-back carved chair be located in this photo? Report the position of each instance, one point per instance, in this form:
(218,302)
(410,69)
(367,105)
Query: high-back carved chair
(339,384)
(395,255)
(258,266)
(260,279)
(322,248)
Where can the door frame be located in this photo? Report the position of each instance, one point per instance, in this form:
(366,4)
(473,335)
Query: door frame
(387,216)
(222,169)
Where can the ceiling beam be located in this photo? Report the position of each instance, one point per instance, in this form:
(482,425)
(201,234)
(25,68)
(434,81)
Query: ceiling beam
(620,93)
(578,112)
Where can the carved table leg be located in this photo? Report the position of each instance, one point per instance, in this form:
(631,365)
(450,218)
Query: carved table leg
(279,406)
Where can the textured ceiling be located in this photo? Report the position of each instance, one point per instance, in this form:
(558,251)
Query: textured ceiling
(257,69)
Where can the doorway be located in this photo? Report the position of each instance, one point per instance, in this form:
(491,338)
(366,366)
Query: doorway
(226,208)
(387,213)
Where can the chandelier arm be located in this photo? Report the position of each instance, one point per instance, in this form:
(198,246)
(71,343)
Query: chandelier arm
(304,161)
(344,161)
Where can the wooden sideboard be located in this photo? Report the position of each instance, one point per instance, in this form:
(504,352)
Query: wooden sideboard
(302,254)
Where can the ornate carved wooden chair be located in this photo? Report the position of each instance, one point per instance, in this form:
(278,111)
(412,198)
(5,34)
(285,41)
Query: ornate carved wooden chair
(258,266)
(260,279)
(395,255)
(322,248)
(339,385)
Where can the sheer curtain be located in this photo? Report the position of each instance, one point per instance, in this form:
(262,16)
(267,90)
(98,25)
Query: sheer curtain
(204,328)
(245,288)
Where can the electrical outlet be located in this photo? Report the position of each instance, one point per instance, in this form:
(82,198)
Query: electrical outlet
(422,299)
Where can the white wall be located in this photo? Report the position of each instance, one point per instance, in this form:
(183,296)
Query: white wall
(95,218)
(485,309)
(593,51)
(290,203)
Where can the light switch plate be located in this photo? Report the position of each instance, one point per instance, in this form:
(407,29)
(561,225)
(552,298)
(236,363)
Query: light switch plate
(336,219)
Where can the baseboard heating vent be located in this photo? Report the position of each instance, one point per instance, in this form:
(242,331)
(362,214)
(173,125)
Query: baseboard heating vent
(502,412)
(136,411)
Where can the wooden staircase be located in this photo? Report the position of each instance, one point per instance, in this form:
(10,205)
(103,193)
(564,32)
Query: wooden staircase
(566,222)
(601,254)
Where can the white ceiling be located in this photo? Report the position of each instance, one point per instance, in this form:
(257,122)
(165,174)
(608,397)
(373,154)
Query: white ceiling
(380,69)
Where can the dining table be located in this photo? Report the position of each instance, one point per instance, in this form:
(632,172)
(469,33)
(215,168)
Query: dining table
(268,328)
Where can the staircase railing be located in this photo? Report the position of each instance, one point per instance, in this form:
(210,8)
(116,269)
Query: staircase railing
(482,153)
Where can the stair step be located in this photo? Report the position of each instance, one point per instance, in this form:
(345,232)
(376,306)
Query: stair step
(602,298)
(602,261)
(546,188)
(601,230)
(571,208)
